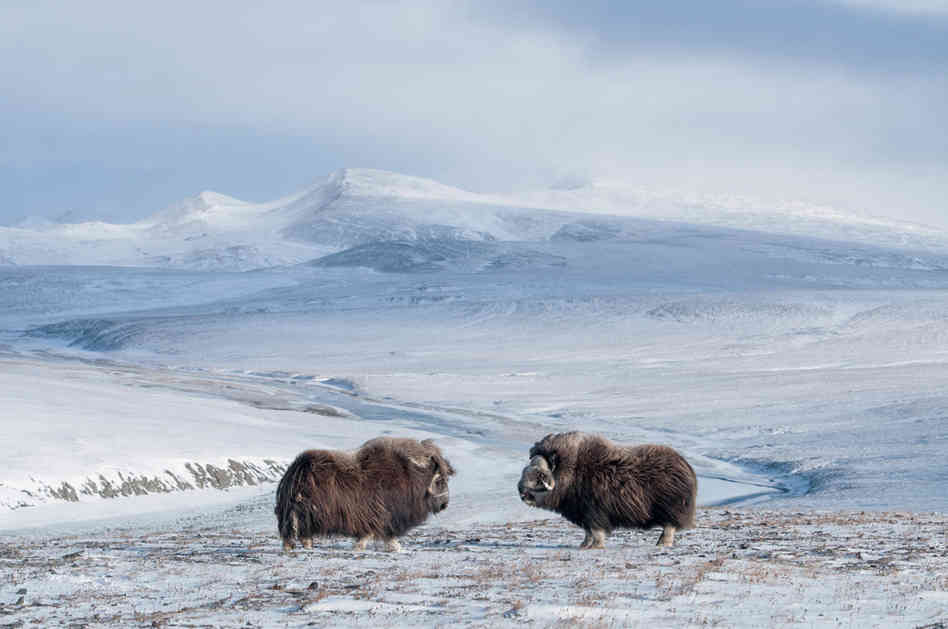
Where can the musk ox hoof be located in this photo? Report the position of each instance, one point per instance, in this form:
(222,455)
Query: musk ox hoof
(594,540)
(287,546)
(391,545)
(307,543)
(667,538)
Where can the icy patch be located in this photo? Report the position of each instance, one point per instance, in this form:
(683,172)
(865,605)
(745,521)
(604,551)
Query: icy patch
(91,334)
(425,256)
(587,231)
(709,309)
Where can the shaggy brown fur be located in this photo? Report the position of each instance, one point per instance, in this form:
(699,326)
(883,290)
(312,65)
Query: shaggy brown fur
(602,486)
(385,488)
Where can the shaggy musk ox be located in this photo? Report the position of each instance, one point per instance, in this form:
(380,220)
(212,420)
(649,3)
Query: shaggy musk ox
(385,488)
(601,486)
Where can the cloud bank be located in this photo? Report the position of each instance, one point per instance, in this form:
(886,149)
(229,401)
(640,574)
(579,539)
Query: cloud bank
(117,110)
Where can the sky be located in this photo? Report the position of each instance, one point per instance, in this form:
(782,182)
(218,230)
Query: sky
(114,110)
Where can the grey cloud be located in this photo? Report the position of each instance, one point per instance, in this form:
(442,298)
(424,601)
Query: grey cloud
(796,31)
(173,98)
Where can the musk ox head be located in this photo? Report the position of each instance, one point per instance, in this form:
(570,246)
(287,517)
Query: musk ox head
(438,495)
(536,481)
(436,469)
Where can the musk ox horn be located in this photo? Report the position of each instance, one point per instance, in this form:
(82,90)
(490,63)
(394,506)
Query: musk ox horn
(435,488)
(601,486)
(536,481)
(542,465)
(422,462)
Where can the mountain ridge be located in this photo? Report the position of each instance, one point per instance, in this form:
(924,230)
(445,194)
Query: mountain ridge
(353,207)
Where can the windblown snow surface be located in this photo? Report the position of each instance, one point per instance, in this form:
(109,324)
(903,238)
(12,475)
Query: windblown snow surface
(799,362)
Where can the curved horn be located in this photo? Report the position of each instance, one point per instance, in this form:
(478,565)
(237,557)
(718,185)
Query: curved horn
(421,462)
(432,486)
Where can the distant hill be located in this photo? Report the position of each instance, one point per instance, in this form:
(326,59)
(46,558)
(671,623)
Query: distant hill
(354,208)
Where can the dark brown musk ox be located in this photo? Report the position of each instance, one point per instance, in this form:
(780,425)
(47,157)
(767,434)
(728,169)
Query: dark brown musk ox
(601,486)
(380,491)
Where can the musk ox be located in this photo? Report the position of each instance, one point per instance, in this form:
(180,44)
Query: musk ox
(601,486)
(381,491)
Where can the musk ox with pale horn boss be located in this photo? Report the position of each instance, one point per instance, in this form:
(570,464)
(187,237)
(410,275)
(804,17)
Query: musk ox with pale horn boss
(602,486)
(381,491)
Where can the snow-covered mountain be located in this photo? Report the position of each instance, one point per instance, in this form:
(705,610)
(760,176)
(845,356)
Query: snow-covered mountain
(738,211)
(359,207)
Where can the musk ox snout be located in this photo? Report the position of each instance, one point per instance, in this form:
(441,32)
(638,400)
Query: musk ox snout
(438,493)
(536,481)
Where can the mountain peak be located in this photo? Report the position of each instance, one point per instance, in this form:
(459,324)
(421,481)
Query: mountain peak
(211,198)
(194,208)
(370,182)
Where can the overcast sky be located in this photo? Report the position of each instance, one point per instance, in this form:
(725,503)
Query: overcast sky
(117,109)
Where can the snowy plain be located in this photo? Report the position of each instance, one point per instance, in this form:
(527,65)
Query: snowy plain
(147,411)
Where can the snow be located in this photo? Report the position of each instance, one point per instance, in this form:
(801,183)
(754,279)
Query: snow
(147,412)
(735,211)
(111,442)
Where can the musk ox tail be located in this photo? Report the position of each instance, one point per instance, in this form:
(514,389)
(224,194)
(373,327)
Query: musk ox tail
(672,487)
(292,511)
(688,513)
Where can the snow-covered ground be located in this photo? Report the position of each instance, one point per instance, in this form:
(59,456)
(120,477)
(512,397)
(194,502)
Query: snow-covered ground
(145,413)
(220,567)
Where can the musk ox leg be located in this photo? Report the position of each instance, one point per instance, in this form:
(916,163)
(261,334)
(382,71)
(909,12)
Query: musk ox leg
(393,546)
(587,540)
(595,538)
(599,539)
(667,537)
(294,528)
(362,542)
(307,542)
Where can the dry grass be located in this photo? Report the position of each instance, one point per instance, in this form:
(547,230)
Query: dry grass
(579,622)
(531,572)
(670,585)
(757,573)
